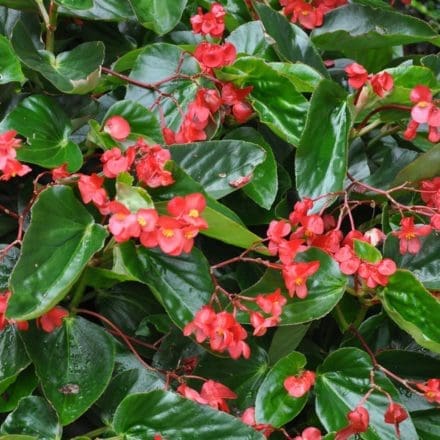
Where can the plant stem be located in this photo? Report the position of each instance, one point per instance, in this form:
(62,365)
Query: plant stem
(78,293)
(341,319)
(97,432)
(43,12)
(51,26)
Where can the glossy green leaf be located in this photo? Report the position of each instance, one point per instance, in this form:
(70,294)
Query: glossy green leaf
(158,15)
(24,385)
(47,129)
(13,356)
(143,123)
(111,10)
(74,364)
(284,113)
(363,27)
(285,340)
(133,197)
(141,416)
(427,423)
(342,381)
(302,76)
(326,287)
(218,165)
(263,187)
(321,158)
(243,376)
(19,4)
(10,68)
(425,265)
(76,71)
(274,405)
(156,63)
(291,42)
(413,308)
(7,264)
(35,417)
(78,4)
(182,284)
(59,242)
(366,251)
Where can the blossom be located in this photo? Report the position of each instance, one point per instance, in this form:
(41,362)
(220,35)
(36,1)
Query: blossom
(357,75)
(14,168)
(376,274)
(310,433)
(123,224)
(211,23)
(248,417)
(358,421)
(348,261)
(4,299)
(409,235)
(118,128)
(430,192)
(382,83)
(295,276)
(235,97)
(90,188)
(170,236)
(60,172)
(431,389)
(189,209)
(298,386)
(395,414)
(52,319)
(272,303)
(115,162)
(275,232)
(261,324)
(211,55)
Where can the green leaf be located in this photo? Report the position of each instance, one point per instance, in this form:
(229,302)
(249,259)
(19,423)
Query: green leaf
(216,165)
(133,197)
(302,76)
(13,356)
(273,404)
(61,239)
(24,385)
(326,287)
(7,264)
(366,251)
(182,284)
(285,340)
(109,10)
(342,381)
(74,364)
(321,158)
(10,68)
(78,4)
(243,376)
(291,42)
(76,71)
(425,265)
(160,16)
(362,27)
(156,63)
(35,417)
(284,113)
(413,308)
(143,122)
(426,423)
(141,416)
(263,187)
(47,129)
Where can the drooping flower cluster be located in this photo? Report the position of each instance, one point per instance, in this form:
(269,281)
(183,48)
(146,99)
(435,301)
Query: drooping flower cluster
(221,329)
(212,393)
(381,83)
(298,386)
(9,165)
(211,23)
(424,111)
(309,14)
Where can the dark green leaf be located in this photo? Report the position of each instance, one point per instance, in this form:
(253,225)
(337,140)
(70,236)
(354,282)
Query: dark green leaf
(59,242)
(110,10)
(141,416)
(285,340)
(302,76)
(273,404)
(427,423)
(7,264)
(10,68)
(284,113)
(182,284)
(47,129)
(33,416)
(366,251)
(23,386)
(342,381)
(413,308)
(321,158)
(158,15)
(74,364)
(362,27)
(78,4)
(291,42)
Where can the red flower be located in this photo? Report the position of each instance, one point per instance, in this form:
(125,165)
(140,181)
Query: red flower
(409,235)
(300,211)
(14,168)
(115,162)
(202,324)
(191,394)
(328,242)
(52,319)
(170,237)
(4,299)
(212,56)
(310,433)
(248,417)
(435,222)
(212,23)
(272,303)
(376,274)
(382,83)
(358,421)
(431,388)
(123,224)
(357,75)
(275,232)
(289,249)
(348,261)
(298,386)
(430,192)
(8,144)
(189,209)
(60,172)
(395,414)
(295,276)
(261,324)
(90,188)
(216,394)
(118,128)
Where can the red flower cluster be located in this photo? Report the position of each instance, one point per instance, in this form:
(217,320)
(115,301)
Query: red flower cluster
(236,99)
(310,433)
(173,234)
(424,111)
(431,388)
(358,421)
(222,330)
(430,191)
(9,165)
(309,15)
(248,417)
(212,393)
(382,83)
(118,128)
(409,235)
(214,56)
(211,23)
(271,304)
(298,386)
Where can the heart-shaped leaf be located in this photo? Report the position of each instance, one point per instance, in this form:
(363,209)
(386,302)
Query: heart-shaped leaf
(10,68)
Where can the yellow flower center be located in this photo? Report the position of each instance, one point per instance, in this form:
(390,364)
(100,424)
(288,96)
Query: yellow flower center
(299,281)
(193,213)
(168,233)
(142,221)
(410,235)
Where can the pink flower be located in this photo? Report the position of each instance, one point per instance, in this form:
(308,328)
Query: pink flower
(90,188)
(310,433)
(118,128)
(298,386)
(295,276)
(189,209)
(214,56)
(52,319)
(212,23)
(357,75)
(115,163)
(409,235)
(358,421)
(123,224)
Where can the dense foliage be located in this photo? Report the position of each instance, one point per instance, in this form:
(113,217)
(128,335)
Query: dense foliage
(220,220)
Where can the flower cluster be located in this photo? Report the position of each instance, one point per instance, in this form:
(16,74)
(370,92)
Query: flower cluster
(298,386)
(382,83)
(431,389)
(272,305)
(424,111)
(430,192)
(309,14)
(221,329)
(211,23)
(212,393)
(248,417)
(9,165)
(214,56)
